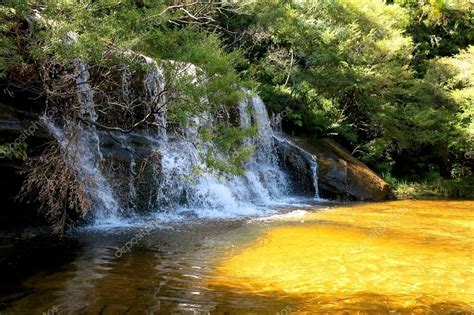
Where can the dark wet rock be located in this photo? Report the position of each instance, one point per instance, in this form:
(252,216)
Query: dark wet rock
(340,175)
(15,122)
(9,122)
(297,162)
(132,168)
(22,127)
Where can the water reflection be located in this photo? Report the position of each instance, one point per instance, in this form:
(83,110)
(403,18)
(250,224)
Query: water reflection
(337,261)
(341,259)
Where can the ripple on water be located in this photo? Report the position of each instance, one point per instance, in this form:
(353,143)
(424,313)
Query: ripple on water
(420,262)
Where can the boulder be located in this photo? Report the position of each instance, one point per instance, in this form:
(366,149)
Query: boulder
(298,163)
(340,175)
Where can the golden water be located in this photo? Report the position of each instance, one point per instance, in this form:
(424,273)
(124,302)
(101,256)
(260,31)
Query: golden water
(396,257)
(402,257)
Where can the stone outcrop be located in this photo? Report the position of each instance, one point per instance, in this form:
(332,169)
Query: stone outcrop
(340,175)
(20,126)
(297,163)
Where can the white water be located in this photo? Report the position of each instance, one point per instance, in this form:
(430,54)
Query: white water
(313,164)
(174,185)
(264,182)
(81,147)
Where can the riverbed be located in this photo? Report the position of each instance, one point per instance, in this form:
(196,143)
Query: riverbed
(400,257)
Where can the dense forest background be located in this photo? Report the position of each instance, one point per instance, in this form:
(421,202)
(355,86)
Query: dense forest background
(393,81)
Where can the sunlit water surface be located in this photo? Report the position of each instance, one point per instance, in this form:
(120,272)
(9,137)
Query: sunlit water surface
(404,257)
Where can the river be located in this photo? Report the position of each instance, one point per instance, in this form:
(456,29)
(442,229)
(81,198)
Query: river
(400,257)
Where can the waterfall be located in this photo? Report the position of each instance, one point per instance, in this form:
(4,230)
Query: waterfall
(154,84)
(314,173)
(300,163)
(154,170)
(277,122)
(264,181)
(263,171)
(80,143)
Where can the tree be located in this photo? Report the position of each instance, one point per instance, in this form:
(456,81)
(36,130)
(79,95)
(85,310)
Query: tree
(60,53)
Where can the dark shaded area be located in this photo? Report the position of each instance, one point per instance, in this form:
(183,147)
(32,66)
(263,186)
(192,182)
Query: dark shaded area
(28,252)
(18,128)
(297,162)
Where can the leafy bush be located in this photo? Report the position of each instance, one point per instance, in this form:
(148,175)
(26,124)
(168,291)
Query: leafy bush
(12,151)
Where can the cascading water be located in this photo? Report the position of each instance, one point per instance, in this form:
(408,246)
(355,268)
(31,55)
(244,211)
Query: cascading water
(314,172)
(285,145)
(81,146)
(172,185)
(263,171)
(277,122)
(154,87)
(264,182)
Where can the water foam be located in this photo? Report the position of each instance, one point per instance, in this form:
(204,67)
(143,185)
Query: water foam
(264,186)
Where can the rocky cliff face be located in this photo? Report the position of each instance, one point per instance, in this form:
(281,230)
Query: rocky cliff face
(17,128)
(300,166)
(340,175)
(337,175)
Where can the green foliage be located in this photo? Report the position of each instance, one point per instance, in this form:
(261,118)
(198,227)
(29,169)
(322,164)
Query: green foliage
(230,153)
(438,189)
(106,34)
(351,70)
(391,80)
(439,27)
(8,47)
(345,60)
(14,151)
(455,77)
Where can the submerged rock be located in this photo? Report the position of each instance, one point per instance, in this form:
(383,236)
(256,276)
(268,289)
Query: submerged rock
(340,175)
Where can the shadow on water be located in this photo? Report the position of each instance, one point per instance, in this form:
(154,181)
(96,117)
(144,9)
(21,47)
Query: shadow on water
(84,274)
(236,267)
(31,254)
